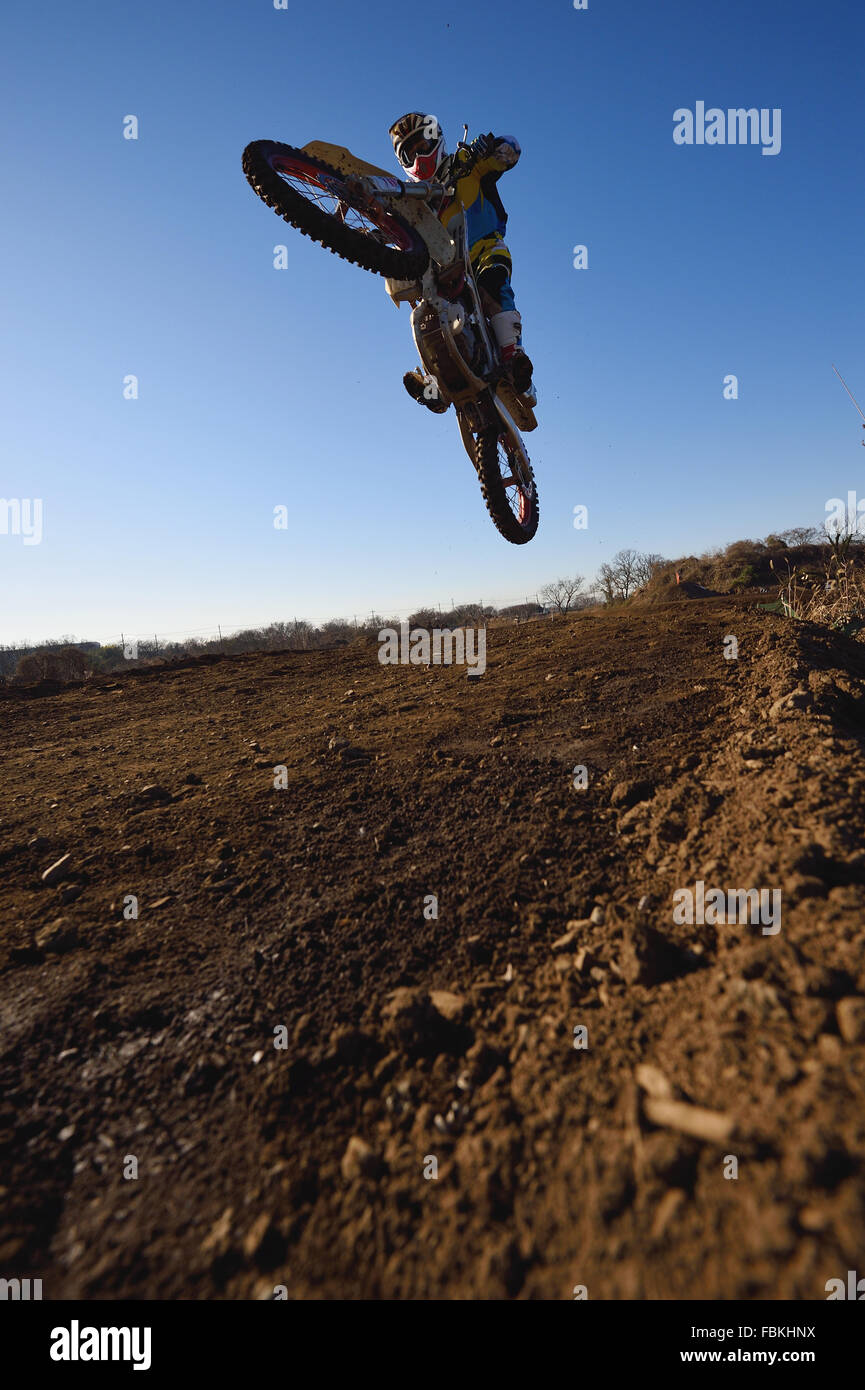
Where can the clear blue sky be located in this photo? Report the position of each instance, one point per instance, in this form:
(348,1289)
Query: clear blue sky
(261,387)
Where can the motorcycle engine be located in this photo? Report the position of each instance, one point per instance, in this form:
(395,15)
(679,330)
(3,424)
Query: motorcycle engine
(466,338)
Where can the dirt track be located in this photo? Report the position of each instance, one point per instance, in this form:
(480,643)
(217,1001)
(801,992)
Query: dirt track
(303,907)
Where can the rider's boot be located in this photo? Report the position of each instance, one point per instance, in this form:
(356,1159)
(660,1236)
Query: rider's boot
(508,327)
(424,390)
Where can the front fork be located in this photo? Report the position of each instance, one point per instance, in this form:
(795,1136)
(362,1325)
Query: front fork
(492,414)
(477,405)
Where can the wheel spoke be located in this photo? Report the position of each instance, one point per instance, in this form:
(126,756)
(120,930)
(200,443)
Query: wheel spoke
(327,195)
(517,495)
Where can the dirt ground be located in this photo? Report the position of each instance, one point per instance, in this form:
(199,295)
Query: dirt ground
(292,1036)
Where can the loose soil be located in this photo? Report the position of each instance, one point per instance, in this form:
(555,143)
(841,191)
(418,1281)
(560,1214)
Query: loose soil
(335,987)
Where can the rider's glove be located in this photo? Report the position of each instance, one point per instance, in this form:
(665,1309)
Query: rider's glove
(482,146)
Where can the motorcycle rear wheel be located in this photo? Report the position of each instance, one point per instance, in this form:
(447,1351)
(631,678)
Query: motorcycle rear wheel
(315,199)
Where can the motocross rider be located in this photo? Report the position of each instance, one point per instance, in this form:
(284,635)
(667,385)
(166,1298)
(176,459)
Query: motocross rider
(419,145)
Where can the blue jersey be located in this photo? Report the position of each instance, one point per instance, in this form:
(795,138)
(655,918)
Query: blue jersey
(477,191)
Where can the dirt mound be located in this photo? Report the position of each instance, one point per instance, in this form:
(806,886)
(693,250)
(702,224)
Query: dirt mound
(688,588)
(379,981)
(673,593)
(762,566)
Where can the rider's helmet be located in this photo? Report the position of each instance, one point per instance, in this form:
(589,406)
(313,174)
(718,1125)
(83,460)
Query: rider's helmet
(419,145)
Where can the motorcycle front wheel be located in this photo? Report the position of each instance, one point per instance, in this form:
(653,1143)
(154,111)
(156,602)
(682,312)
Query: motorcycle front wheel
(507,483)
(316,199)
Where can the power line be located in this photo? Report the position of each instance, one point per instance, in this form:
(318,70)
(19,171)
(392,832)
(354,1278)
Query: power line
(849,392)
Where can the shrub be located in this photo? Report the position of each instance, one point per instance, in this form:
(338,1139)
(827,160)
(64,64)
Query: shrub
(747,575)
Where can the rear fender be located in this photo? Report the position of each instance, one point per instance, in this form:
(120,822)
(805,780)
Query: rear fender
(517,406)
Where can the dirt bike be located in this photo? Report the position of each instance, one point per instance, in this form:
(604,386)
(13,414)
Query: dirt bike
(382,224)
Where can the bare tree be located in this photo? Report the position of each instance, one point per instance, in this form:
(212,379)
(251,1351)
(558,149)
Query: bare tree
(301,634)
(627,572)
(646,565)
(605,584)
(562,594)
(618,580)
(426,618)
(626,563)
(52,662)
(375,622)
(277,635)
(338,632)
(72,664)
(29,668)
(801,535)
(842,535)
(519,612)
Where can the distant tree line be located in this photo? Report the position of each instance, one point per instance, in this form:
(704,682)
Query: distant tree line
(65,659)
(618,580)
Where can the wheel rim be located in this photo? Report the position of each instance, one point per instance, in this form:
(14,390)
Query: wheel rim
(329,194)
(520,496)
